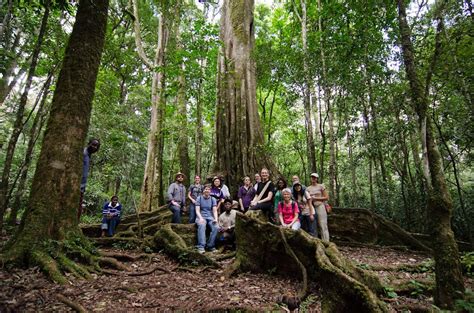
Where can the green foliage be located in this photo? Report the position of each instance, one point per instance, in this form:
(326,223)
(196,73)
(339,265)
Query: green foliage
(390,292)
(467,262)
(307,303)
(417,287)
(466,304)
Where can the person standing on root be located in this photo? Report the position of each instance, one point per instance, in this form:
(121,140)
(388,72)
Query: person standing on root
(224,188)
(245,195)
(216,192)
(177,197)
(280,185)
(303,199)
(92,147)
(318,195)
(296,179)
(195,191)
(263,199)
(288,211)
(206,215)
(111,216)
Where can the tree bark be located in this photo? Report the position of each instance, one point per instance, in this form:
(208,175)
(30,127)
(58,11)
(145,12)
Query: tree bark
(18,124)
(52,207)
(239,136)
(182,119)
(152,191)
(449,281)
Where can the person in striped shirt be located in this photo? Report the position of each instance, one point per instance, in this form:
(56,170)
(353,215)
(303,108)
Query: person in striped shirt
(111,216)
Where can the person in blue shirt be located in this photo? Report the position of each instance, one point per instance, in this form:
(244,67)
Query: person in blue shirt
(111,216)
(206,215)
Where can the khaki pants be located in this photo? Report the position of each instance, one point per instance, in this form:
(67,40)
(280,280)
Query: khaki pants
(322,221)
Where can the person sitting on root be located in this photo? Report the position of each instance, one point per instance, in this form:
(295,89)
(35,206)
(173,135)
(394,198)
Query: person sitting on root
(111,216)
(305,205)
(206,215)
(264,196)
(288,211)
(227,224)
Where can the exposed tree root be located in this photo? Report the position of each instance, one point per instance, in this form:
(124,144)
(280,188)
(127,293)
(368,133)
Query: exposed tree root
(174,245)
(226,256)
(114,263)
(125,256)
(304,275)
(73,305)
(156,268)
(260,248)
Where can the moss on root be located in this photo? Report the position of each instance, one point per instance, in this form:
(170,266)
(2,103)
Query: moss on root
(260,248)
(74,254)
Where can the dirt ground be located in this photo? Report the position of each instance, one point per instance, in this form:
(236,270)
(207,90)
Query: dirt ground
(201,289)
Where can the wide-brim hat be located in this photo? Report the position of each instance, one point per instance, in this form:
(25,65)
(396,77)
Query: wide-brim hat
(179,174)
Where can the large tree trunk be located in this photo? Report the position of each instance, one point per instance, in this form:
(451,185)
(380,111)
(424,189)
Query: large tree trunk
(18,124)
(239,136)
(52,209)
(449,282)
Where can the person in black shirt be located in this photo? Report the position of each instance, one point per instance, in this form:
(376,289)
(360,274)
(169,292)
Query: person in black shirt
(263,199)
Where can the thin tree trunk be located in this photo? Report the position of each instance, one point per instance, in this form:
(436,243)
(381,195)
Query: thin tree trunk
(449,281)
(34,134)
(151,191)
(199,135)
(18,124)
(182,119)
(307,89)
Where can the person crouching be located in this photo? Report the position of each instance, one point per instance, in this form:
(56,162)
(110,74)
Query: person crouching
(111,216)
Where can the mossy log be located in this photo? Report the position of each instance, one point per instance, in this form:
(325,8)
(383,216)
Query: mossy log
(178,241)
(263,247)
(149,222)
(364,226)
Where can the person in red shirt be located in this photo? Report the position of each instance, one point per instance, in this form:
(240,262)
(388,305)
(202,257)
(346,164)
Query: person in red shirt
(288,211)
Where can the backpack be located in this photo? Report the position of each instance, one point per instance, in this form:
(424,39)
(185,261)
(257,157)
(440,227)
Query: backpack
(293,206)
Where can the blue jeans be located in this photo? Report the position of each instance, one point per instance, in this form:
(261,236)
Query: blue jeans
(307,225)
(176,219)
(192,213)
(110,224)
(201,233)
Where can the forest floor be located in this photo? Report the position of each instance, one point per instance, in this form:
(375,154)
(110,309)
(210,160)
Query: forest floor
(207,289)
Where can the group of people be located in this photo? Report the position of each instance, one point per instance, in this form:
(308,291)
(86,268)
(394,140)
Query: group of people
(293,207)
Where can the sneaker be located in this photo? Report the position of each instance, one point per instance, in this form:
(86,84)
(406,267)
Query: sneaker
(201,250)
(213,250)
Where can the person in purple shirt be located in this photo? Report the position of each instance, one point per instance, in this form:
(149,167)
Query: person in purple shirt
(245,195)
(216,192)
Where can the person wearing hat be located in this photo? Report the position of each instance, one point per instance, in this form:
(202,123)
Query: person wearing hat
(177,197)
(318,195)
(227,223)
(305,205)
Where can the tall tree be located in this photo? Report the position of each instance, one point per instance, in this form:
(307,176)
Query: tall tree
(449,281)
(152,187)
(52,209)
(18,125)
(239,136)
